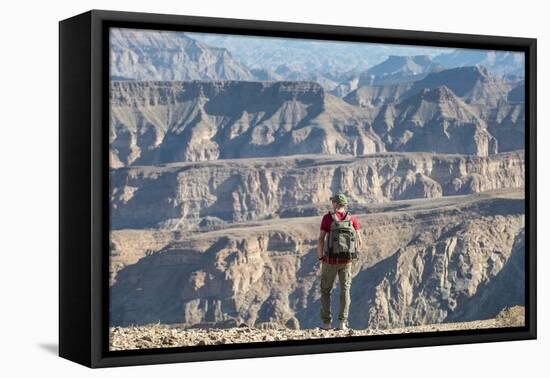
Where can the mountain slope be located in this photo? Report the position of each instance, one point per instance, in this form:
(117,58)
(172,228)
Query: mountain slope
(161,122)
(399,69)
(435,120)
(375,96)
(436,276)
(164,55)
(497,103)
(473,84)
(506,290)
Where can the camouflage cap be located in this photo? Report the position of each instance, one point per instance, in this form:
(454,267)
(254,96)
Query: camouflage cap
(340,198)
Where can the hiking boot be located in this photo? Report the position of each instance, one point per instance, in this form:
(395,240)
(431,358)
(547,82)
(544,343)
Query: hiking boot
(326,326)
(342,326)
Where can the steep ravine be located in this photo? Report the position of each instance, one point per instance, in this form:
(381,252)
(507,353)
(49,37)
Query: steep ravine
(423,260)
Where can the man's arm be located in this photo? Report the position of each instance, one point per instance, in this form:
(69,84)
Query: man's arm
(321,243)
(355,223)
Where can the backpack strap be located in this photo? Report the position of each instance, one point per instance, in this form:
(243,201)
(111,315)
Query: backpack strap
(329,234)
(348,216)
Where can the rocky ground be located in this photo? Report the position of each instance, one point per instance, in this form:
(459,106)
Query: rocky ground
(166,336)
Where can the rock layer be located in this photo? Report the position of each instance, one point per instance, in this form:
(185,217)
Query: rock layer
(208,194)
(162,122)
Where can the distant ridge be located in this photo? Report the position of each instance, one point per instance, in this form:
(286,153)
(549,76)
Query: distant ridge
(499,63)
(162,122)
(165,55)
(472,84)
(399,69)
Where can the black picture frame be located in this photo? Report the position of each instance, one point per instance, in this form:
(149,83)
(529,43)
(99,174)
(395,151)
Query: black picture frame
(83,182)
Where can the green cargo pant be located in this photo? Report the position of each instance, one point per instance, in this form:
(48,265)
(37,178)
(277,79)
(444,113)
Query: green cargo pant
(328,274)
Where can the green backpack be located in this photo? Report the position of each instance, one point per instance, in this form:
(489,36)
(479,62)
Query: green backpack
(342,238)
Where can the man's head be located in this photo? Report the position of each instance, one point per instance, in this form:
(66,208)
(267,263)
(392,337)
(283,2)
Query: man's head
(339,201)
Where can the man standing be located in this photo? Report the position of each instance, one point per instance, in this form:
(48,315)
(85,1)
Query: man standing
(336,257)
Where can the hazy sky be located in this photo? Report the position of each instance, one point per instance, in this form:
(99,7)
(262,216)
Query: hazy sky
(259,52)
(331,59)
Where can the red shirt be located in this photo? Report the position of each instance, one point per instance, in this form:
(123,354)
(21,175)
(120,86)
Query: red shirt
(325,226)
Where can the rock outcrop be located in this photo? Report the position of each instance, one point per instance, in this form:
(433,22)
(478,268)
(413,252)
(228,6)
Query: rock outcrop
(207,195)
(162,122)
(428,280)
(436,120)
(376,96)
(474,84)
(166,55)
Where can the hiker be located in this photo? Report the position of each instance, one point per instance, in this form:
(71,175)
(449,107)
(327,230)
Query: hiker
(336,258)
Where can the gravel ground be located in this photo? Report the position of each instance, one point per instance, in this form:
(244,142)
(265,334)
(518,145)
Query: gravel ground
(166,336)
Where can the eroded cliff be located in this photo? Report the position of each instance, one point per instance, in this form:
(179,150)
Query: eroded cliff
(423,260)
(210,194)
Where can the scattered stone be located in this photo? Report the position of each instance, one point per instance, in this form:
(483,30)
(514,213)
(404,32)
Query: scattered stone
(293,323)
(512,316)
(158,336)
